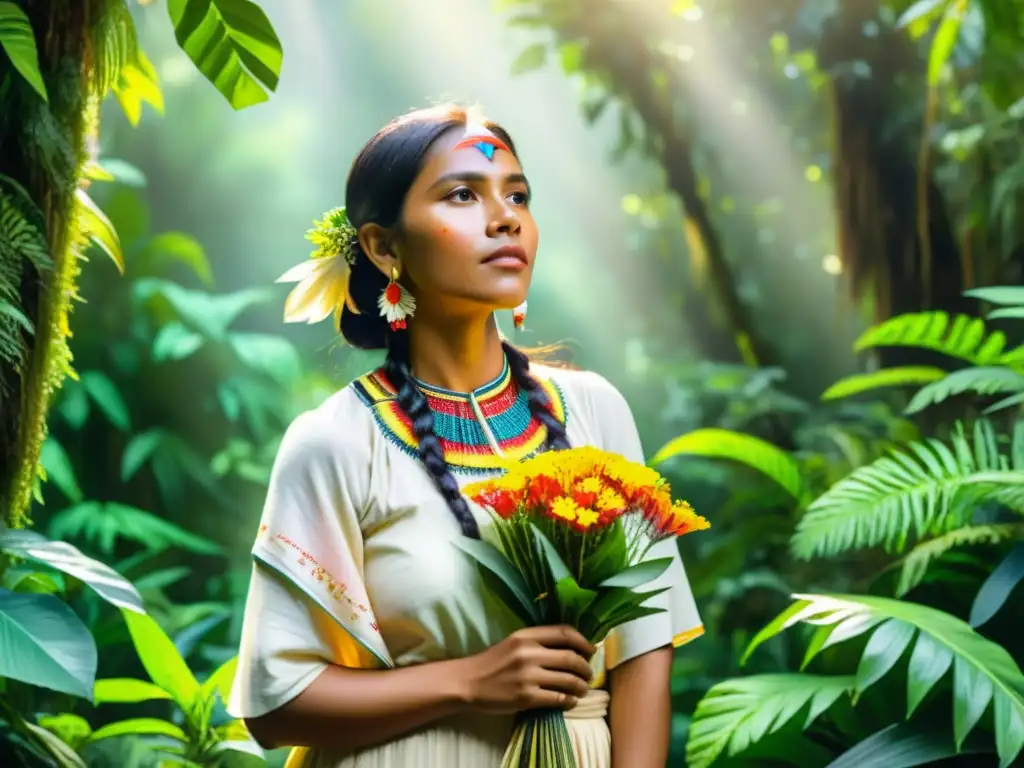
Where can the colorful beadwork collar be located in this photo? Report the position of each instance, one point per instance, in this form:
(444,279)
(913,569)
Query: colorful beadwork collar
(501,402)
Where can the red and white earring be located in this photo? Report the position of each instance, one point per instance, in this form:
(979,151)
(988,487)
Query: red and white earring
(396,303)
(519,316)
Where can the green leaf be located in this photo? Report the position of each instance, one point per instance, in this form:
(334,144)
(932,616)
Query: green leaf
(559,570)
(272,355)
(999,294)
(922,9)
(909,493)
(998,586)
(983,671)
(97,226)
(736,446)
(232,43)
(944,41)
(492,560)
(138,84)
(162,661)
(736,714)
(1007,313)
(639,574)
(573,599)
(19,43)
(102,579)
(887,377)
(105,394)
(610,557)
(915,564)
(125,690)
(175,342)
(61,752)
(177,248)
(138,452)
(209,314)
(43,643)
(59,471)
(882,651)
(532,57)
(221,680)
(962,337)
(903,745)
(71,730)
(982,380)
(141,726)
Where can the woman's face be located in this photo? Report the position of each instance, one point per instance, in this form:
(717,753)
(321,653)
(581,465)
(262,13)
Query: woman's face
(468,239)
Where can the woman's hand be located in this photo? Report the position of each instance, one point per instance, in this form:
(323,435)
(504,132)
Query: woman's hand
(532,668)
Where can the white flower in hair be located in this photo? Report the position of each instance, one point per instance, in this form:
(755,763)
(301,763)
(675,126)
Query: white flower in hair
(323,280)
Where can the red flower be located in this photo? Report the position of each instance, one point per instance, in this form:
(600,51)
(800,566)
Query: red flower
(542,491)
(504,503)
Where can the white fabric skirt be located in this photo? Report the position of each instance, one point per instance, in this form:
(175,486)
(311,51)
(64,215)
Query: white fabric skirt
(475,741)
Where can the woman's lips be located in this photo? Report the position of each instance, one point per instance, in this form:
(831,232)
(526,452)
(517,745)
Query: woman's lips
(508,257)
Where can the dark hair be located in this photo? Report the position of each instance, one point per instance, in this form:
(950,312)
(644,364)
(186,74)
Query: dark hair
(378,183)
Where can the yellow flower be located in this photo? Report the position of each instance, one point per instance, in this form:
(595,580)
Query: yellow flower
(609,501)
(589,485)
(586,518)
(565,508)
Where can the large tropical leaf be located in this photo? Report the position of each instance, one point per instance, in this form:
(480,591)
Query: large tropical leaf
(43,643)
(736,446)
(232,43)
(983,672)
(998,586)
(915,565)
(104,580)
(909,493)
(19,43)
(982,380)
(1006,295)
(887,377)
(162,661)
(905,745)
(735,714)
(962,337)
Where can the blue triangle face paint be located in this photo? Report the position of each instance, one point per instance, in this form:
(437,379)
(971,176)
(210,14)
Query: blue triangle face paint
(487,149)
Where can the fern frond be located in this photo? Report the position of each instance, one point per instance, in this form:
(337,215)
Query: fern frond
(962,337)
(114,45)
(908,493)
(915,564)
(982,380)
(886,377)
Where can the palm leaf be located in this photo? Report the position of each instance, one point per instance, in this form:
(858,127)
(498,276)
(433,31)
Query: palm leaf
(962,337)
(982,380)
(914,566)
(983,672)
(1005,295)
(910,492)
(735,714)
(905,745)
(887,377)
(232,43)
(736,446)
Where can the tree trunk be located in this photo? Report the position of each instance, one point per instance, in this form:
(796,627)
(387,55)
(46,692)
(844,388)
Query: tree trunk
(43,150)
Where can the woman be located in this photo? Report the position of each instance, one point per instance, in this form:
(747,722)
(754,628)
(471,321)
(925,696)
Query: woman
(369,639)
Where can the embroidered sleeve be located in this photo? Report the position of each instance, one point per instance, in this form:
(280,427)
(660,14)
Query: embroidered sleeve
(307,605)
(681,622)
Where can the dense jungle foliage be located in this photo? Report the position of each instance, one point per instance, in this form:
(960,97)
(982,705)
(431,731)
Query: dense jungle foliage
(823,343)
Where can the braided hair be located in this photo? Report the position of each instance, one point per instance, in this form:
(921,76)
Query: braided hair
(377,185)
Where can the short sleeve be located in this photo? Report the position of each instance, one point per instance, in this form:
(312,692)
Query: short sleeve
(680,622)
(302,611)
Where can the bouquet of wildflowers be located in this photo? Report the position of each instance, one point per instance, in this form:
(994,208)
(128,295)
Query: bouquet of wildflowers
(569,544)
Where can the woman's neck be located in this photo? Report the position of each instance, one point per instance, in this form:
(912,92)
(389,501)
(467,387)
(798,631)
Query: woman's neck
(459,356)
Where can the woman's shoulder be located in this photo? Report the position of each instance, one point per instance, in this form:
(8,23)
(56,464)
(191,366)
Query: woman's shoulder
(337,428)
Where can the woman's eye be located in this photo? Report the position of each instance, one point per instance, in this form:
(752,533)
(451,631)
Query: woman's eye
(520,198)
(461,195)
